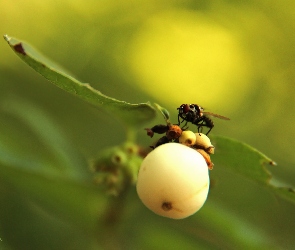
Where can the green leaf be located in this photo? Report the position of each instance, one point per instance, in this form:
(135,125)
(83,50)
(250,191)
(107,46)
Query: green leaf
(75,202)
(66,157)
(249,162)
(286,193)
(133,115)
(163,111)
(213,227)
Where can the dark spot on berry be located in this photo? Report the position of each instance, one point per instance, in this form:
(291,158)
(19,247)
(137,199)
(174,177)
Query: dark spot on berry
(166,206)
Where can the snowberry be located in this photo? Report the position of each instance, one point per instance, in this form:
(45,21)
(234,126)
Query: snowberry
(173,181)
(203,142)
(187,138)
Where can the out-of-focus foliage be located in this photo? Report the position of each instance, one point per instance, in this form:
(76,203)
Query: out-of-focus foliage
(234,58)
(133,115)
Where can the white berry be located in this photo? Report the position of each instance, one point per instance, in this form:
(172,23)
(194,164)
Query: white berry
(203,142)
(187,138)
(173,181)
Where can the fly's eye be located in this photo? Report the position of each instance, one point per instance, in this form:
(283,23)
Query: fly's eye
(186,108)
(181,106)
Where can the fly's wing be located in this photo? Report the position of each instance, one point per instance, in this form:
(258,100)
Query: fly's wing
(215,115)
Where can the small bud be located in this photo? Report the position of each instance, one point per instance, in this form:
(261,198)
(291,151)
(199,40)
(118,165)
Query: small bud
(210,150)
(203,142)
(187,138)
(159,129)
(174,132)
(149,132)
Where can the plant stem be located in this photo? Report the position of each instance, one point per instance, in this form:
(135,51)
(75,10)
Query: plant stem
(110,237)
(131,135)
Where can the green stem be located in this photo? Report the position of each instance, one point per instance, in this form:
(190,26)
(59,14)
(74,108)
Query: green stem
(131,135)
(110,237)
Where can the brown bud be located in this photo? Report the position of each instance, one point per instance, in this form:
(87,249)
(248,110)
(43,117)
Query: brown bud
(159,129)
(174,132)
(149,132)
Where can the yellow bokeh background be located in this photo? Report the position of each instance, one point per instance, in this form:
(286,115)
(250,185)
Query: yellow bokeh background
(180,56)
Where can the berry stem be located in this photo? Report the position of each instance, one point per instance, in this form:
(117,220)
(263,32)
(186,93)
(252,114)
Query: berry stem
(109,237)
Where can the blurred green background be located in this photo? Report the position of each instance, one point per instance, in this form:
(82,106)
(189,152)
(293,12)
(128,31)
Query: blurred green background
(234,58)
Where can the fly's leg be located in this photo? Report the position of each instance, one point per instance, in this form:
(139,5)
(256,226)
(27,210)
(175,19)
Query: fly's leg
(204,121)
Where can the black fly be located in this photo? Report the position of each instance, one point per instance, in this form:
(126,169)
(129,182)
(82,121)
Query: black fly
(195,114)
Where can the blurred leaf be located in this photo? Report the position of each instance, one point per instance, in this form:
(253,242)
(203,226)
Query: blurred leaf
(286,193)
(213,227)
(226,228)
(163,111)
(218,228)
(66,158)
(75,202)
(133,115)
(249,162)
